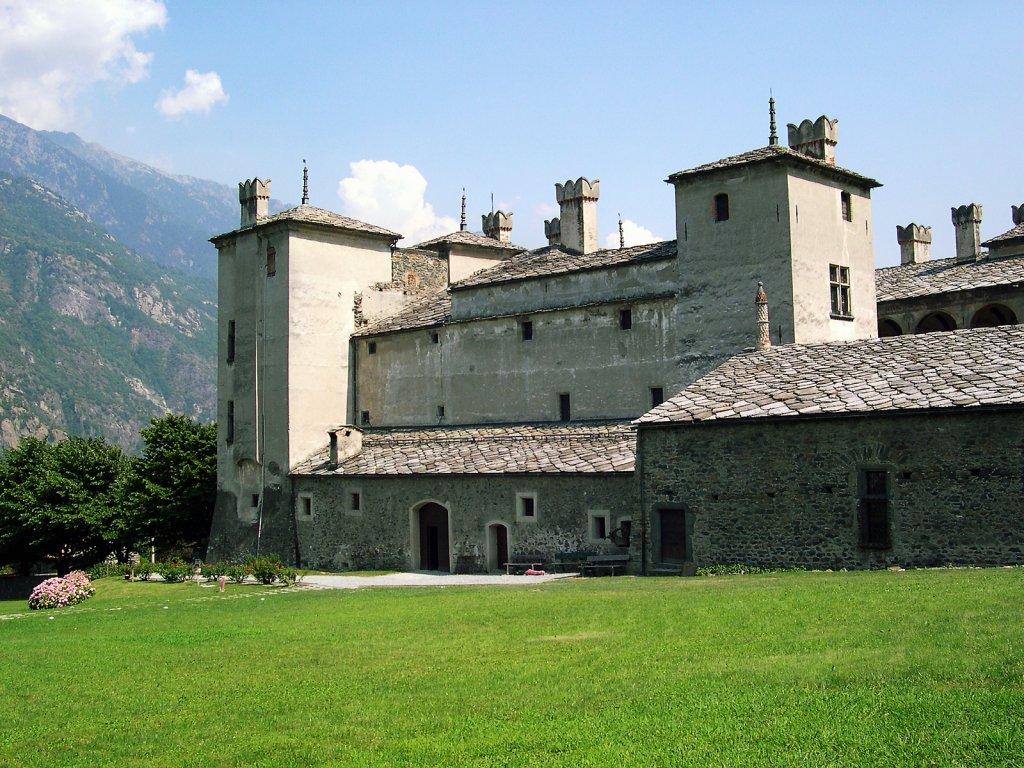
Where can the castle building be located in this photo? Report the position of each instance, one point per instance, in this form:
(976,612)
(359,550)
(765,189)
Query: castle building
(467,402)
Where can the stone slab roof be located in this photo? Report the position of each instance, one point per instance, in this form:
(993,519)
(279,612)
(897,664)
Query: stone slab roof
(773,154)
(955,370)
(465,237)
(555,260)
(1009,236)
(587,448)
(428,310)
(310,214)
(945,276)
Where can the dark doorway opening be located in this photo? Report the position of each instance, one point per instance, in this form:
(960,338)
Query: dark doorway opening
(498,547)
(675,527)
(433,525)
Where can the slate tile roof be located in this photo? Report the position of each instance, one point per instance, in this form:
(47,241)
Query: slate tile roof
(958,369)
(465,237)
(310,214)
(556,260)
(428,310)
(946,275)
(588,448)
(1009,236)
(773,154)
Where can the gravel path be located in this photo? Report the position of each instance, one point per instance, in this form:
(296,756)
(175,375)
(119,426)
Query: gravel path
(426,580)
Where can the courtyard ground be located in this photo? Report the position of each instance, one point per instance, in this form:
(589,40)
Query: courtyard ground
(918,668)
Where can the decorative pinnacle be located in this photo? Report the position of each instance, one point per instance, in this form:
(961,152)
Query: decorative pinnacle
(764,338)
(622,236)
(305,183)
(462,221)
(773,135)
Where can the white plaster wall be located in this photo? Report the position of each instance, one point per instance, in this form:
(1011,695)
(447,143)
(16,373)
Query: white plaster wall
(820,236)
(324,271)
(464,260)
(482,371)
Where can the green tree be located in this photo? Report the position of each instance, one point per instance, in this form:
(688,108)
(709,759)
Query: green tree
(175,482)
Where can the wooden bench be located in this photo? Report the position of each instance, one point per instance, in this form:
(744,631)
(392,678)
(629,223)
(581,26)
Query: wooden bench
(521,568)
(571,562)
(597,565)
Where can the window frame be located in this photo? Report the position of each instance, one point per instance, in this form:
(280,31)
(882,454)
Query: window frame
(521,498)
(230,357)
(229,428)
(440,412)
(839,292)
(371,347)
(625,318)
(435,337)
(364,418)
(271,257)
(564,407)
(526,330)
(846,205)
(355,502)
(719,211)
(593,515)
(660,396)
(864,498)
(305,510)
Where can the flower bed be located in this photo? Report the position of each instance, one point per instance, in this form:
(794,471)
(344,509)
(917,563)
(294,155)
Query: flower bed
(61,592)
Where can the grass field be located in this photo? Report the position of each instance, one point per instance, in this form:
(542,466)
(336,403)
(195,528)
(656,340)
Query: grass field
(920,668)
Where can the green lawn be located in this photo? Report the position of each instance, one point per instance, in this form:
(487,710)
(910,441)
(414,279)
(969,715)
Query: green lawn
(920,668)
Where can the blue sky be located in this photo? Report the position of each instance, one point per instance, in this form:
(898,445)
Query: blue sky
(510,98)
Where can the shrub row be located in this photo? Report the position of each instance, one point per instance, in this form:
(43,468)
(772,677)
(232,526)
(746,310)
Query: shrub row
(266,570)
(60,592)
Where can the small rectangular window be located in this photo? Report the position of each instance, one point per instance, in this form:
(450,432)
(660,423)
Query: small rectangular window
(526,330)
(435,337)
(355,501)
(721,207)
(230,427)
(271,261)
(564,407)
(846,203)
(874,509)
(364,418)
(255,500)
(839,286)
(231,341)
(657,396)
(625,319)
(526,506)
(307,506)
(440,413)
(371,347)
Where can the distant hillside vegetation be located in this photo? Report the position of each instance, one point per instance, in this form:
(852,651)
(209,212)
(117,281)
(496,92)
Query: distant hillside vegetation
(95,338)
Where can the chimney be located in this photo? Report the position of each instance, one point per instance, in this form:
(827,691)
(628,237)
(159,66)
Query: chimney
(254,195)
(817,139)
(498,225)
(578,215)
(553,231)
(915,243)
(1017,214)
(345,442)
(764,337)
(967,222)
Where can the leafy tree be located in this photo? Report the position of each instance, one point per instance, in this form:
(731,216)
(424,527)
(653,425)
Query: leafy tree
(175,483)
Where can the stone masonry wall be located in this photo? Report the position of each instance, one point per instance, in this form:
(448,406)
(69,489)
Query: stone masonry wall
(379,535)
(786,493)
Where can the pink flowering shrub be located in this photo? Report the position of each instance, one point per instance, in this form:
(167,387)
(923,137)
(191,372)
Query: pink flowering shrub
(61,592)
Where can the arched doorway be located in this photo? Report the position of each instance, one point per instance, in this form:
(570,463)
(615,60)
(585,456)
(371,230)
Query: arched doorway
(936,321)
(887,328)
(497,546)
(432,535)
(992,315)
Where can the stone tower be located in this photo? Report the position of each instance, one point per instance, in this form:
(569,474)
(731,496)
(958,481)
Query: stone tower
(577,202)
(915,243)
(498,226)
(967,222)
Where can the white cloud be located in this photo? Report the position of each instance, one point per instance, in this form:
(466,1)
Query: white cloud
(50,51)
(390,195)
(202,90)
(633,234)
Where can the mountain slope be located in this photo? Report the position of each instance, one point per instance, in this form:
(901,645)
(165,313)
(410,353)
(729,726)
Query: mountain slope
(94,337)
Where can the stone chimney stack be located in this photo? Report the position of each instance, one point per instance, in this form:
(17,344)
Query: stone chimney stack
(345,442)
(578,215)
(817,139)
(967,222)
(254,195)
(553,231)
(915,243)
(498,225)
(764,336)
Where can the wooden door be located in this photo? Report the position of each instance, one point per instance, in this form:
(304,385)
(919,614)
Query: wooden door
(673,536)
(501,545)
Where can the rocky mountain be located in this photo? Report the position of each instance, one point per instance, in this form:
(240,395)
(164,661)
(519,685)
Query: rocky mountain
(95,337)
